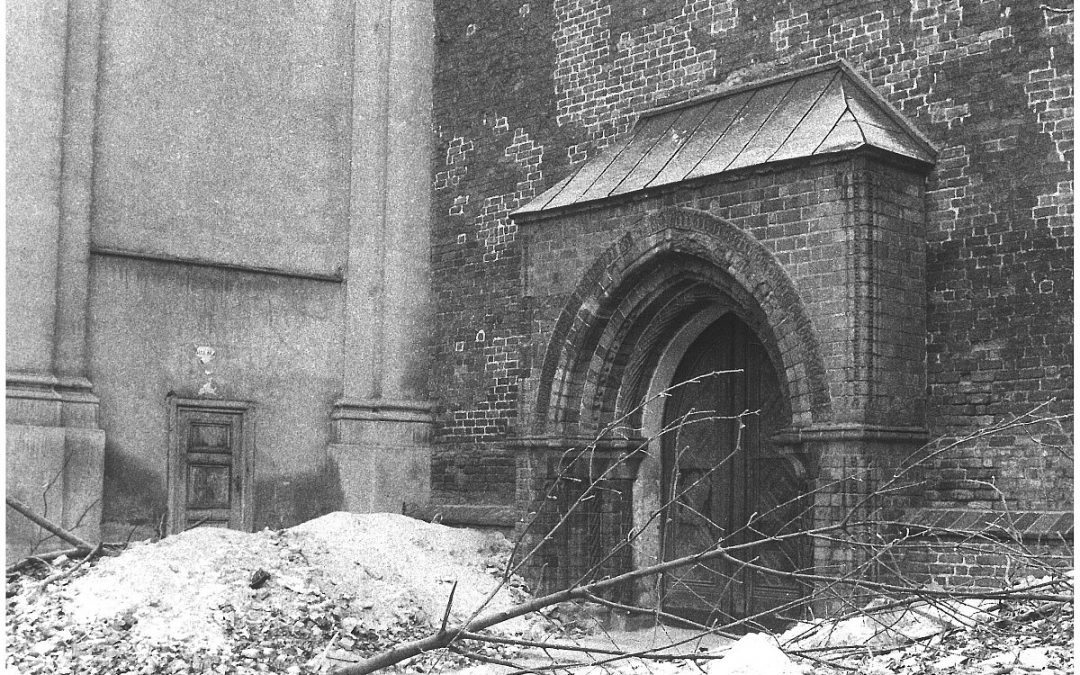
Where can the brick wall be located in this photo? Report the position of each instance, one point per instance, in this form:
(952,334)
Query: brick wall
(960,547)
(800,215)
(587,519)
(525,91)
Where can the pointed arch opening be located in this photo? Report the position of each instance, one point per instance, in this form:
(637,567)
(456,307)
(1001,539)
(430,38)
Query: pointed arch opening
(681,292)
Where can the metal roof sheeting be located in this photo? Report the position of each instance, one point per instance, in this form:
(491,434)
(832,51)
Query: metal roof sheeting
(813,112)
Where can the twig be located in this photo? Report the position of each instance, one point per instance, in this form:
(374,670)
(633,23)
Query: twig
(651,655)
(1014,594)
(69,571)
(449,604)
(483,658)
(1042,610)
(197,523)
(651,611)
(867,649)
(825,662)
(51,527)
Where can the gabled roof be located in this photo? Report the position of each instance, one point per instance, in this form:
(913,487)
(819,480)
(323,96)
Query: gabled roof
(818,111)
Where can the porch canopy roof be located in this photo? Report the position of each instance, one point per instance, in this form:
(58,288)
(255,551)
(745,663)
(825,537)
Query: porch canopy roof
(808,113)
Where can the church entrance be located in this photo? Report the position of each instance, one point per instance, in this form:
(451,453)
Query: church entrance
(724,481)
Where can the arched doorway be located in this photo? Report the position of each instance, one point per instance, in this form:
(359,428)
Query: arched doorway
(611,356)
(725,481)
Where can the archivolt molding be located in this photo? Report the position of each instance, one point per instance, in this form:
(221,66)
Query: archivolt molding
(638,292)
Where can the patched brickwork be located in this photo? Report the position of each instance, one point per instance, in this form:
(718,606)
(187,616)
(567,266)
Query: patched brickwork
(1009,546)
(527,92)
(955,562)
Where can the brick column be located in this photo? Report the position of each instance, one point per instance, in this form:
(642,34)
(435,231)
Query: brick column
(382,422)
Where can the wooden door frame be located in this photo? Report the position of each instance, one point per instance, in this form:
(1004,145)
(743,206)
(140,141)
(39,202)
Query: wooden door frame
(176,483)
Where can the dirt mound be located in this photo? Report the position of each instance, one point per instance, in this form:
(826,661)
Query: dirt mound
(357,583)
(398,568)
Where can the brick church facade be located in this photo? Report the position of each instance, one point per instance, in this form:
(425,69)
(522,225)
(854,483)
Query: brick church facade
(910,283)
(266,263)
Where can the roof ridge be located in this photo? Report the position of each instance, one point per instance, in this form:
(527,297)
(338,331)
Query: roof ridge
(741,87)
(849,111)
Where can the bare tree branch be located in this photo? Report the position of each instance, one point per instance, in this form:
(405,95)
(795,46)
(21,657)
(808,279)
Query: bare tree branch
(873,572)
(51,527)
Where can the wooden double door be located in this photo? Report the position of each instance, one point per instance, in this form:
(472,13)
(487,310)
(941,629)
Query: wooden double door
(726,483)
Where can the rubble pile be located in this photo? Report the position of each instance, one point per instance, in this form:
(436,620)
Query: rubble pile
(939,634)
(347,586)
(332,590)
(935,635)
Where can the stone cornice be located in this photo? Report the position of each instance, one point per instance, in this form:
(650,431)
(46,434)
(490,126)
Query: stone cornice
(850,432)
(374,410)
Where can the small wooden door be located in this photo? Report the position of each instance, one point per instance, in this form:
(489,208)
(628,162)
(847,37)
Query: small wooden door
(725,481)
(210,465)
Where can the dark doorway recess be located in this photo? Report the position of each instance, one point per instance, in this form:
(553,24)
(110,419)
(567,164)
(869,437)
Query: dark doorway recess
(728,483)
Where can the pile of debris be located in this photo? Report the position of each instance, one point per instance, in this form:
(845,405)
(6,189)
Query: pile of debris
(934,630)
(345,587)
(306,599)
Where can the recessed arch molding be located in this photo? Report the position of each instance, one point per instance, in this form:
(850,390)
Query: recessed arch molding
(665,268)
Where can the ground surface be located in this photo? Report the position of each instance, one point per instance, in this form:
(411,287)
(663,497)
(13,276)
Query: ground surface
(346,586)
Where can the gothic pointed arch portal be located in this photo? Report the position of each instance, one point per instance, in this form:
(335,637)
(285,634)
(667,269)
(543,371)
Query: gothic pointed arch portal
(679,297)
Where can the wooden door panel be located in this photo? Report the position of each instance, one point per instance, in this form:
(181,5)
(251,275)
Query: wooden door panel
(207,435)
(721,479)
(703,465)
(210,465)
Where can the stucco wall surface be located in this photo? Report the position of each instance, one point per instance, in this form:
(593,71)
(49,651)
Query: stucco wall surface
(275,342)
(34,90)
(223,132)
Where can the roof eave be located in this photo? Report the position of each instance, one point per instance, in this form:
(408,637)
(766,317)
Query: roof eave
(525,215)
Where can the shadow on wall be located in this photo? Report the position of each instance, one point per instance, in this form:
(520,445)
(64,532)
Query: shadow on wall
(136,505)
(135,502)
(284,501)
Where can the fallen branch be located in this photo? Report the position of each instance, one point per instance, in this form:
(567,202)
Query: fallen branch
(69,571)
(70,538)
(444,638)
(483,658)
(862,576)
(562,647)
(46,557)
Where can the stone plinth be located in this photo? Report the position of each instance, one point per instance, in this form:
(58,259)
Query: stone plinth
(55,460)
(383,454)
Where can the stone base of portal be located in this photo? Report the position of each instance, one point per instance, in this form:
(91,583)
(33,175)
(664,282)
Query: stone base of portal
(382,452)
